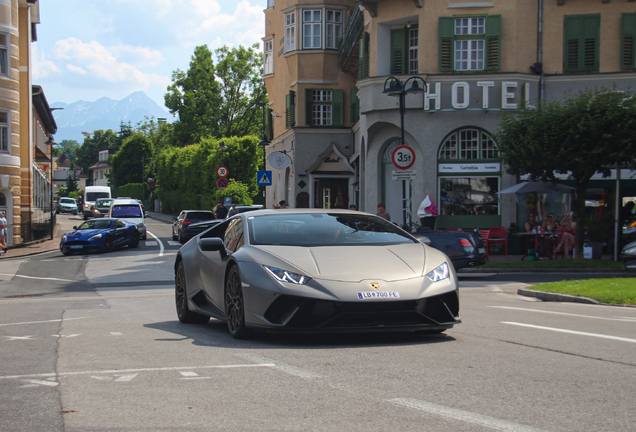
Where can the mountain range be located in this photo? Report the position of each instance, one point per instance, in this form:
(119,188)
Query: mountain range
(105,113)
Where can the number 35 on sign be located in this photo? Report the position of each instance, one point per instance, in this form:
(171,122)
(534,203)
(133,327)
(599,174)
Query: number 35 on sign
(403,157)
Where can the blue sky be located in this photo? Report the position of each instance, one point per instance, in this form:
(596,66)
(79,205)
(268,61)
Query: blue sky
(87,50)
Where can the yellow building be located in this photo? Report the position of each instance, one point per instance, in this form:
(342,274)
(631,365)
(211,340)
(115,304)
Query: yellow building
(477,59)
(26,124)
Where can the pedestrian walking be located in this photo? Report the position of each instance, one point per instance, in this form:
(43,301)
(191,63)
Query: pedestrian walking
(233,211)
(382,212)
(3,233)
(221,211)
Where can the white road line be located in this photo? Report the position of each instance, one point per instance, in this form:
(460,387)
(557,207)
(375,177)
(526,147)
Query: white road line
(126,378)
(115,371)
(151,243)
(602,336)
(563,313)
(10,338)
(39,322)
(466,416)
(174,243)
(292,370)
(44,383)
(158,241)
(33,277)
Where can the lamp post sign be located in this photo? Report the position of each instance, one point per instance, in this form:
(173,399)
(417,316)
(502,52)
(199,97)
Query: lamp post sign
(403,157)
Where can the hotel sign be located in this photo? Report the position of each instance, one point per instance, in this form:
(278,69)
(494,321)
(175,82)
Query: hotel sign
(469,168)
(479,95)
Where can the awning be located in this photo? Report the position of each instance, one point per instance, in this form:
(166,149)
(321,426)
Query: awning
(534,186)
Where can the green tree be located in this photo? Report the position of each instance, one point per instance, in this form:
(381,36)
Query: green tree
(128,165)
(194,96)
(71,183)
(69,147)
(579,135)
(239,72)
(88,152)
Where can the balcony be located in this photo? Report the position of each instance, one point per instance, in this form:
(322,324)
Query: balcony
(348,50)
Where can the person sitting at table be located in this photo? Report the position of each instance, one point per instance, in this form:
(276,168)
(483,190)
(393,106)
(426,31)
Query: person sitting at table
(568,238)
(549,223)
(531,224)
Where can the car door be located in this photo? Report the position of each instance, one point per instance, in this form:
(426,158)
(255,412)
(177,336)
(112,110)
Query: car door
(120,234)
(178,223)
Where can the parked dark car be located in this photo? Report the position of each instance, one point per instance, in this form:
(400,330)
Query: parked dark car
(197,228)
(181,230)
(101,207)
(628,256)
(465,249)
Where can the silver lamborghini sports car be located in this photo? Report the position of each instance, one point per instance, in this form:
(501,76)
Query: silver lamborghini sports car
(312,270)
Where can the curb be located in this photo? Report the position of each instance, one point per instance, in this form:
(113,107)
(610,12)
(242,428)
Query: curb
(554,297)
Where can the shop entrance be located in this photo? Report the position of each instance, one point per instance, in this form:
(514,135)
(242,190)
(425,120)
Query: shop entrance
(332,193)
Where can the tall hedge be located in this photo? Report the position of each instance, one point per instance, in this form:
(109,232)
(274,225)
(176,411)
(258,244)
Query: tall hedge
(132,190)
(187,176)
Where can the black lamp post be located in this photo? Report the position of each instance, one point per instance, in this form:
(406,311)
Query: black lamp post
(396,87)
(52,143)
(222,147)
(264,142)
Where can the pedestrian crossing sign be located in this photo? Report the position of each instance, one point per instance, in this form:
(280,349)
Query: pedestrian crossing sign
(264,178)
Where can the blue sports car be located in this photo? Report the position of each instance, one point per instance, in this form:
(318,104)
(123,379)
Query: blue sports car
(100,235)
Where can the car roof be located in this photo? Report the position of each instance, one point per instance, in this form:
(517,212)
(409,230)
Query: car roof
(303,211)
(119,201)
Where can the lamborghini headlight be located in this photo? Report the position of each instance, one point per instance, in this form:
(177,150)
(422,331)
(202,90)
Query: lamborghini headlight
(95,237)
(439,273)
(286,276)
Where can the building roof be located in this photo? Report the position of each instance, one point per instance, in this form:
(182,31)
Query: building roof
(42,107)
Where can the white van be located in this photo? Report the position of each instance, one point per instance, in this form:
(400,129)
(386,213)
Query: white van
(129,210)
(91,194)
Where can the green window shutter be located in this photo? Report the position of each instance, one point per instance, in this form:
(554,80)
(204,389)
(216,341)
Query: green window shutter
(493,42)
(337,107)
(591,37)
(290,109)
(269,124)
(398,51)
(363,56)
(446,32)
(581,36)
(355,106)
(628,34)
(308,107)
(571,33)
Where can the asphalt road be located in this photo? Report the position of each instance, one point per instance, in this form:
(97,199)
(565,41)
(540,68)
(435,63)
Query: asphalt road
(92,343)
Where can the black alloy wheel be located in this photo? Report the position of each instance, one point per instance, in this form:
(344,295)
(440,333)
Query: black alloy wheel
(184,314)
(135,241)
(108,244)
(234,305)
(64,250)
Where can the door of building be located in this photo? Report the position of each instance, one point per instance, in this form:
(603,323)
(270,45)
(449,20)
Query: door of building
(332,193)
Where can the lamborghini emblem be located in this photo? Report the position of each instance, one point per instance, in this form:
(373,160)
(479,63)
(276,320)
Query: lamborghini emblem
(375,285)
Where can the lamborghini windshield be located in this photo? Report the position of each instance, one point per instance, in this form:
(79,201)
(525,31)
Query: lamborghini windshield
(324,229)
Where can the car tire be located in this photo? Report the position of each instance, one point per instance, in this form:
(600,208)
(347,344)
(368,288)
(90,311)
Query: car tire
(174,236)
(184,314)
(135,240)
(108,244)
(64,250)
(180,238)
(234,305)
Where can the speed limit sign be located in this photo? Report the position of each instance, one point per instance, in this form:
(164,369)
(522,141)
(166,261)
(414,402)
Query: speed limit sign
(221,171)
(403,157)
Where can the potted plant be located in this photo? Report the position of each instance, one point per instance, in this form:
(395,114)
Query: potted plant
(596,231)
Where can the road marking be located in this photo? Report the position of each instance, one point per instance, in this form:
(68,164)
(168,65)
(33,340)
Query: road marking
(10,338)
(123,371)
(34,277)
(126,378)
(159,241)
(40,322)
(116,333)
(466,416)
(602,336)
(292,370)
(40,382)
(191,375)
(151,243)
(174,243)
(564,313)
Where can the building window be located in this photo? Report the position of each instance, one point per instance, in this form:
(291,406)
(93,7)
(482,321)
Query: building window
(468,144)
(324,107)
(470,43)
(333,29)
(4,131)
(4,54)
(363,56)
(312,29)
(628,35)
(475,196)
(290,31)
(268,61)
(290,109)
(103,155)
(404,50)
(581,36)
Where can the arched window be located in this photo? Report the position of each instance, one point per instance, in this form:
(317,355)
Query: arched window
(468,144)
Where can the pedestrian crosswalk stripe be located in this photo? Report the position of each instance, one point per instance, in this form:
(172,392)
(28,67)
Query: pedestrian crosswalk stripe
(151,243)
(173,243)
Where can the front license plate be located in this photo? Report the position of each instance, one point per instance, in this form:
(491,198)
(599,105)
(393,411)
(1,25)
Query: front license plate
(482,250)
(77,247)
(378,295)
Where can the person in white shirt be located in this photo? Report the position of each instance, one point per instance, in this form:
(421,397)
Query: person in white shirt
(3,233)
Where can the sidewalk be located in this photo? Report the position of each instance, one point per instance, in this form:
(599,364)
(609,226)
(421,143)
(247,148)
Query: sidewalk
(64,224)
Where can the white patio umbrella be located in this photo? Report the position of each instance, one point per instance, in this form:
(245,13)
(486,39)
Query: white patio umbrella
(534,186)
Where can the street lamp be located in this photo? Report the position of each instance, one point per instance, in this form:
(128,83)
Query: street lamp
(52,143)
(396,87)
(264,142)
(222,147)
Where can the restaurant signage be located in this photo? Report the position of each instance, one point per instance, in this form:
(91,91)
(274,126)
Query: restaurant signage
(469,168)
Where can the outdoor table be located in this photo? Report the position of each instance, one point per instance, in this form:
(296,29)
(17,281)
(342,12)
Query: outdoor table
(536,236)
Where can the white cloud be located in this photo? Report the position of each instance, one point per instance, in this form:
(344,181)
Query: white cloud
(42,68)
(76,69)
(138,56)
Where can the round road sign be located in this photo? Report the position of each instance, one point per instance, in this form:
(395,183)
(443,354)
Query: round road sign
(403,157)
(221,183)
(221,171)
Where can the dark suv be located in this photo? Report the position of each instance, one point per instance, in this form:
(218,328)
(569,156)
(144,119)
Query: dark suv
(181,223)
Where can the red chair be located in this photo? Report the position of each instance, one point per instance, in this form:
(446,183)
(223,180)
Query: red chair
(497,235)
(484,237)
